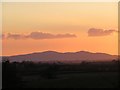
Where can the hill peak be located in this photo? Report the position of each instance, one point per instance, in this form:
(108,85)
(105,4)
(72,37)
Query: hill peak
(83,52)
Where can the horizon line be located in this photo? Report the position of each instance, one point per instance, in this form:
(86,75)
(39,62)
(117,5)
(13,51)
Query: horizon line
(56,52)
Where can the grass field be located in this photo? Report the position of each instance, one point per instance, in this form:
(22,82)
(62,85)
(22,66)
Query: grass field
(75,80)
(84,75)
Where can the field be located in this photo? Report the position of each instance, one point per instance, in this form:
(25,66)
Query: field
(76,80)
(38,75)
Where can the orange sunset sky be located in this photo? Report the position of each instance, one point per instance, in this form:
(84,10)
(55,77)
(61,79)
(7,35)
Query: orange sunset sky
(62,27)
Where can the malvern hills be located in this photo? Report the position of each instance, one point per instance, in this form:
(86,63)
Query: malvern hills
(50,56)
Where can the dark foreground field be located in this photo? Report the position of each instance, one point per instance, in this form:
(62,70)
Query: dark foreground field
(75,80)
(38,75)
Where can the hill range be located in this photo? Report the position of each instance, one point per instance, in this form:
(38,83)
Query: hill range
(50,56)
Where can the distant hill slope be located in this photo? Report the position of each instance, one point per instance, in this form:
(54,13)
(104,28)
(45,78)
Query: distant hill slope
(68,56)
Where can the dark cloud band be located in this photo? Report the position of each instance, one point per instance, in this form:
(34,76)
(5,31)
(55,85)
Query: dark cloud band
(39,35)
(100,32)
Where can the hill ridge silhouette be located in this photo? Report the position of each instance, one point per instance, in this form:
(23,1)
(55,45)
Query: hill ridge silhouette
(63,56)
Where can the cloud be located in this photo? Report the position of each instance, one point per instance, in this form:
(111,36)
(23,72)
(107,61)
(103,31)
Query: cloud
(15,36)
(100,32)
(2,36)
(39,35)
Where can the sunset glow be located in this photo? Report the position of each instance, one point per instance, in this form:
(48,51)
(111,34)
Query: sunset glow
(61,27)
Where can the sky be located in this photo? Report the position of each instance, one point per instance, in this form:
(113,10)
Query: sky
(61,26)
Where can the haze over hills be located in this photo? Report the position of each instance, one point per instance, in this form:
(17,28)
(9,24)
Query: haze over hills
(58,56)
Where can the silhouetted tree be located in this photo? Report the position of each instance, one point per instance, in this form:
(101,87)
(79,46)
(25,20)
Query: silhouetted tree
(50,72)
(9,73)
